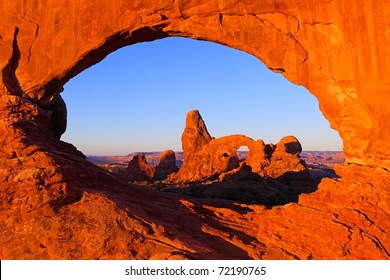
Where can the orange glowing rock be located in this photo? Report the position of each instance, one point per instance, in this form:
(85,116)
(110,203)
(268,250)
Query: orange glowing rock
(56,205)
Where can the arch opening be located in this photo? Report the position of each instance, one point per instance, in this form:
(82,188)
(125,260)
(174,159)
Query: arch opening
(242,153)
(228,106)
(164,90)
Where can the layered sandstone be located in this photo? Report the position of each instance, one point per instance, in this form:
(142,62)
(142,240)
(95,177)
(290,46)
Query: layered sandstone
(56,205)
(206,157)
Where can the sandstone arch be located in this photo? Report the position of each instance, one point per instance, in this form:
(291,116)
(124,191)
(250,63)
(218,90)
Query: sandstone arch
(307,42)
(214,157)
(336,49)
(206,157)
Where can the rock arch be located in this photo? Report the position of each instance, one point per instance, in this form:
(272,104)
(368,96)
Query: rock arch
(336,49)
(43,46)
(206,157)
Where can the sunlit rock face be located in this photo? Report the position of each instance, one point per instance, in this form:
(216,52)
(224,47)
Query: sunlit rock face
(54,204)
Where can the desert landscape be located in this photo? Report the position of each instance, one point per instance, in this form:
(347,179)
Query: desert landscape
(212,201)
(266,174)
(320,163)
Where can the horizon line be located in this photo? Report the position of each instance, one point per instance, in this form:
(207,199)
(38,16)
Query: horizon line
(128,154)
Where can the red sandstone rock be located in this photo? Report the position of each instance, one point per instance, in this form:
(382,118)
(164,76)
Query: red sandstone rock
(204,156)
(195,134)
(74,210)
(257,155)
(139,169)
(288,144)
(56,205)
(284,160)
(167,165)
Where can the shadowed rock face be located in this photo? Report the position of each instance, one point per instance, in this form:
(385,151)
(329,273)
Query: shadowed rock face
(54,204)
(57,108)
(206,157)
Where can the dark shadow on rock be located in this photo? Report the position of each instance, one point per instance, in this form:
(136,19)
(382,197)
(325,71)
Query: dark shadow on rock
(321,172)
(251,188)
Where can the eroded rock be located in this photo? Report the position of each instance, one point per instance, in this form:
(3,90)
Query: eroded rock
(195,134)
(311,45)
(284,160)
(214,157)
(166,166)
(139,169)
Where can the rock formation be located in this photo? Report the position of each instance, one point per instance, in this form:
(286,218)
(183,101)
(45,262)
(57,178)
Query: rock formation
(283,158)
(195,134)
(206,157)
(56,205)
(57,109)
(311,45)
(139,169)
(166,166)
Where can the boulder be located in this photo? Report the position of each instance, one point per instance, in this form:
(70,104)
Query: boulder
(289,145)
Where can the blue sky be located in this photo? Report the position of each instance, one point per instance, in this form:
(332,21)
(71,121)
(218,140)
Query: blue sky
(137,98)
